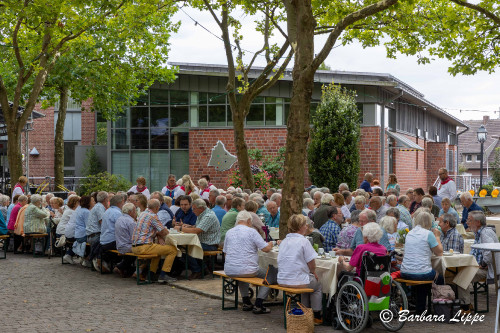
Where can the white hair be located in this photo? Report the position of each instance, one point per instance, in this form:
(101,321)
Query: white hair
(391,197)
(387,223)
(128,207)
(466,196)
(307,202)
(275,197)
(372,232)
(326,198)
(36,199)
(243,216)
(360,199)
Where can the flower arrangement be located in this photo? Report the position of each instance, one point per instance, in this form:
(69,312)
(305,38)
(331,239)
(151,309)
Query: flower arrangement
(472,192)
(483,193)
(402,235)
(494,193)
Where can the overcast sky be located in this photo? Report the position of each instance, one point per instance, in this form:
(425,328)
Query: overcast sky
(480,92)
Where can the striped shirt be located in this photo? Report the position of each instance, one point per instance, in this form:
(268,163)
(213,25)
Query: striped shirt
(331,231)
(404,215)
(146,228)
(452,240)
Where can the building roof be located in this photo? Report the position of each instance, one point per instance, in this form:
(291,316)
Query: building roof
(388,81)
(468,144)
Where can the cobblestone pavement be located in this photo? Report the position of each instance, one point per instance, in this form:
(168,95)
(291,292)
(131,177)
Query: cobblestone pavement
(41,295)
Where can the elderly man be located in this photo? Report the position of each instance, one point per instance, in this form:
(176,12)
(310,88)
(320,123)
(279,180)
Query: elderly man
(241,247)
(484,234)
(93,224)
(377,206)
(229,220)
(208,230)
(403,205)
(212,196)
(273,219)
(185,214)
(229,201)
(147,229)
(447,187)
(107,237)
(343,187)
(469,206)
(164,214)
(218,209)
(124,230)
(394,212)
(331,229)
(269,194)
(366,183)
(365,217)
(321,214)
(172,189)
(391,201)
(317,196)
(262,210)
(276,197)
(450,238)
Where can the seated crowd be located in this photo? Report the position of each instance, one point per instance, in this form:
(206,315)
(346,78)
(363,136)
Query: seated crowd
(348,223)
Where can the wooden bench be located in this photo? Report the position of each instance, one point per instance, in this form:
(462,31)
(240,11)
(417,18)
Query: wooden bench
(35,236)
(412,283)
(138,258)
(5,244)
(233,283)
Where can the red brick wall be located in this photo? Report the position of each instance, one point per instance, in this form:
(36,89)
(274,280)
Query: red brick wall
(436,159)
(409,166)
(88,124)
(201,142)
(369,152)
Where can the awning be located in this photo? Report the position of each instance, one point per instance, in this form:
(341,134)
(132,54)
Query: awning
(403,143)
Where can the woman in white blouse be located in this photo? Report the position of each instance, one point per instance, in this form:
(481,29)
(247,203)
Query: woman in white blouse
(296,265)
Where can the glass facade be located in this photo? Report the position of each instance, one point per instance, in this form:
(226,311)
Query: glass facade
(151,139)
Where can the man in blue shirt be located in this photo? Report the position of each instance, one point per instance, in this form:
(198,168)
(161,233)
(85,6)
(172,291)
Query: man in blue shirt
(331,229)
(218,209)
(273,219)
(469,206)
(366,184)
(107,239)
(185,213)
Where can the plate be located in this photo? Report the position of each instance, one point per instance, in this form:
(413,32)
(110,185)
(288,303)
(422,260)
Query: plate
(447,254)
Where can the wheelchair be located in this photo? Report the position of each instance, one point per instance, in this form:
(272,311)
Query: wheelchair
(372,293)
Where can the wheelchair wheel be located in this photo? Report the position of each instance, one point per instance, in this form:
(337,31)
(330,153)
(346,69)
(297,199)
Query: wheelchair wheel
(336,324)
(229,287)
(352,307)
(397,303)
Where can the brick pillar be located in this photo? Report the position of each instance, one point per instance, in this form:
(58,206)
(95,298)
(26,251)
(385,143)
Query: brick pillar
(369,152)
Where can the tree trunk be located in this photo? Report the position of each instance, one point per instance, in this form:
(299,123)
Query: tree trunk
(14,154)
(298,119)
(241,147)
(59,139)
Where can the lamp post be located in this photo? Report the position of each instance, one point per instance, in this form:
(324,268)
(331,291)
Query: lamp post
(482,134)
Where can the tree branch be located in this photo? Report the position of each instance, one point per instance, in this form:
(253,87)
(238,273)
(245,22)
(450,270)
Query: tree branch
(346,22)
(479,9)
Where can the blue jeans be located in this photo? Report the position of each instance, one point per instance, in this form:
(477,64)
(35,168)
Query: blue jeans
(421,291)
(195,264)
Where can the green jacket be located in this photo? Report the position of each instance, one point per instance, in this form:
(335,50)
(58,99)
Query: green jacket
(228,222)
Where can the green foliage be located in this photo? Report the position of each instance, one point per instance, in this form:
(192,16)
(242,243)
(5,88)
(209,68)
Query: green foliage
(261,180)
(272,164)
(489,188)
(333,153)
(496,167)
(103,181)
(102,133)
(91,165)
(462,168)
(324,67)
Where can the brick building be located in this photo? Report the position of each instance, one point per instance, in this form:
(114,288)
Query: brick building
(173,128)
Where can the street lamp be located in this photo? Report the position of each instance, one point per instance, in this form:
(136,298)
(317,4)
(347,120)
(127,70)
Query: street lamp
(482,134)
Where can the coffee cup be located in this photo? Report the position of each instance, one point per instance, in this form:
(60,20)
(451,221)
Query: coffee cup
(332,254)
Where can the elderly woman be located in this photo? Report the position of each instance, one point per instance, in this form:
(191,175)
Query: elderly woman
(69,232)
(35,217)
(428,202)
(81,216)
(390,225)
(204,189)
(73,202)
(372,233)
(241,247)
(251,207)
(420,244)
(391,201)
(297,266)
(4,206)
(347,233)
(57,205)
(308,205)
(314,233)
(447,209)
(359,203)
(339,200)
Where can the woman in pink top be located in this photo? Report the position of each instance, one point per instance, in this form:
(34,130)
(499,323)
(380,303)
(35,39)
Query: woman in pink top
(372,233)
(21,201)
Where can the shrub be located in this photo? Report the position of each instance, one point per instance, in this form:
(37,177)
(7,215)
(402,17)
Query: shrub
(103,181)
(261,180)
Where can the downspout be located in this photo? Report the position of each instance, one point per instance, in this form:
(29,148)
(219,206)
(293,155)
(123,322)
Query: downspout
(382,137)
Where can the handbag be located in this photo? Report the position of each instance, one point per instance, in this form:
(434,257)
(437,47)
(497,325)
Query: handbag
(442,291)
(271,276)
(299,323)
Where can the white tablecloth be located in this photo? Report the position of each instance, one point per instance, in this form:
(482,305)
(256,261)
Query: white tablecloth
(274,233)
(326,269)
(467,245)
(466,264)
(190,240)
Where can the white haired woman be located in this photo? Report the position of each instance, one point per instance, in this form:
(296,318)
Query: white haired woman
(390,225)
(36,219)
(297,265)
(372,233)
(241,246)
(420,244)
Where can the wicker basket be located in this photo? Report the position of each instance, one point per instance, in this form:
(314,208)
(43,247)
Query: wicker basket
(299,323)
